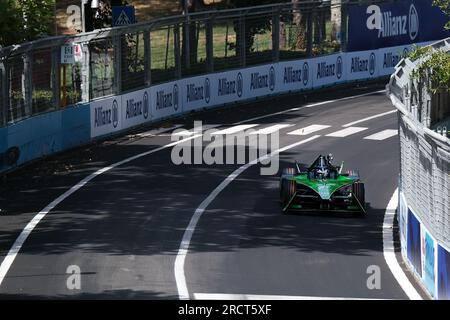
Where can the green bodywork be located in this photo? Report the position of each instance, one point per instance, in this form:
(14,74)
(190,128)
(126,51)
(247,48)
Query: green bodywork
(324,188)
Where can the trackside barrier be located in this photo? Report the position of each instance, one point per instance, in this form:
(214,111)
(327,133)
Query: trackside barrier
(424,184)
(117,113)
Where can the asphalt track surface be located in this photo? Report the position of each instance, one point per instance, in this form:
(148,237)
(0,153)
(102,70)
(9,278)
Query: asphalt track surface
(124,228)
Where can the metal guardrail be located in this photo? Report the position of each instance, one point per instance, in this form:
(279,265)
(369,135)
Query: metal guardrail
(122,59)
(425,153)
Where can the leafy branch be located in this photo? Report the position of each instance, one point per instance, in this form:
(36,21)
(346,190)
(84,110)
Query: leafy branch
(434,70)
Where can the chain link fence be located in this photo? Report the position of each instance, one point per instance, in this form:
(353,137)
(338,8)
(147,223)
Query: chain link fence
(425,151)
(425,180)
(33,80)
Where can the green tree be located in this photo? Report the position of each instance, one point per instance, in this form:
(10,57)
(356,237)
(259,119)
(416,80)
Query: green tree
(25,20)
(434,70)
(9,22)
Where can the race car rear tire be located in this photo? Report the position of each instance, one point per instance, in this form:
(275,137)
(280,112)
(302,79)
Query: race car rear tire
(288,172)
(359,193)
(288,189)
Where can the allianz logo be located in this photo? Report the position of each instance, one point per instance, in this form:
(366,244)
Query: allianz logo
(227,87)
(260,81)
(137,108)
(363,65)
(295,75)
(106,116)
(134,108)
(391,59)
(196,93)
(325,70)
(389,25)
(166,100)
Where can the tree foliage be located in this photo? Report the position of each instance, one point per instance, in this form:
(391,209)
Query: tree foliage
(444,5)
(434,69)
(25,20)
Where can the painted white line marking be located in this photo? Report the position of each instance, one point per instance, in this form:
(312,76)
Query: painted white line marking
(272,129)
(383,135)
(155,132)
(369,118)
(180,278)
(235,129)
(226,296)
(308,130)
(346,132)
(192,131)
(12,253)
(308,106)
(389,251)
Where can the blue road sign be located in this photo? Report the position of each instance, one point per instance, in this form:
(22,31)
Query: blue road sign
(122,15)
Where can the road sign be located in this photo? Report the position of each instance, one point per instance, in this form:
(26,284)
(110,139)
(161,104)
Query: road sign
(122,15)
(70,53)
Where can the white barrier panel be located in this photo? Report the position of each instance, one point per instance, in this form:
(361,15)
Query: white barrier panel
(135,108)
(228,87)
(387,59)
(259,81)
(196,92)
(105,116)
(294,75)
(166,100)
(328,70)
(361,65)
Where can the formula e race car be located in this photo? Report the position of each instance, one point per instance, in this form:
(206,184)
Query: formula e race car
(322,187)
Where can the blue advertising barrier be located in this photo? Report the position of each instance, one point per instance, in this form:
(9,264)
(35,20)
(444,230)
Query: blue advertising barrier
(44,134)
(428,261)
(443,274)
(394,24)
(413,243)
(423,254)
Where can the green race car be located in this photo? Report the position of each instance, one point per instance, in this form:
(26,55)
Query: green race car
(322,187)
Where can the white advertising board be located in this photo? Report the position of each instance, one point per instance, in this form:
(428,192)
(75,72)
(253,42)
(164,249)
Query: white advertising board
(135,108)
(198,92)
(361,65)
(294,75)
(166,100)
(328,70)
(106,116)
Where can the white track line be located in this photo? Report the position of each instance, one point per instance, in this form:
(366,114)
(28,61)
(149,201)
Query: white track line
(184,132)
(369,118)
(12,253)
(382,135)
(155,132)
(308,130)
(226,296)
(346,132)
(180,278)
(308,106)
(271,129)
(234,129)
(389,251)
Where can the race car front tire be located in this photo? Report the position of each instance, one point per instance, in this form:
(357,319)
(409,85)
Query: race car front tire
(288,189)
(359,193)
